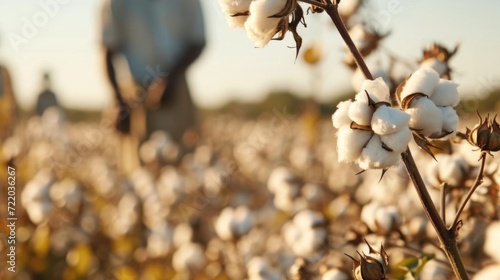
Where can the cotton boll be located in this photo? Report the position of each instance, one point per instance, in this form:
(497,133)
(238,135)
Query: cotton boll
(282,179)
(450,121)
(368,215)
(452,169)
(232,7)
(362,96)
(189,257)
(334,274)
(446,94)
(260,27)
(439,66)
(434,270)
(258,269)
(397,141)
(308,219)
(376,157)
(423,81)
(360,112)
(341,117)
(387,120)
(358,77)
(426,118)
(232,223)
(350,143)
(358,35)
(387,218)
(377,88)
(488,273)
(492,241)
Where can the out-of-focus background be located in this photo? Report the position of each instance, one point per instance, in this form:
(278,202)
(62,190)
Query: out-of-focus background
(67,43)
(108,187)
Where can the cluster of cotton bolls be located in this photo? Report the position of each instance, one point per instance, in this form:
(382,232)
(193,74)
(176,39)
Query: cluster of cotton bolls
(371,132)
(244,205)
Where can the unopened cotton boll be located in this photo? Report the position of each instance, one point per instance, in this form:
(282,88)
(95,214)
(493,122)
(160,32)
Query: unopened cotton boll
(446,94)
(341,117)
(360,112)
(374,156)
(377,88)
(387,120)
(423,81)
(233,7)
(260,26)
(397,141)
(350,143)
(426,117)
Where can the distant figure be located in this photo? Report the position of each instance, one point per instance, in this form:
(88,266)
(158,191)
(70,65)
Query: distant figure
(47,97)
(159,40)
(8,105)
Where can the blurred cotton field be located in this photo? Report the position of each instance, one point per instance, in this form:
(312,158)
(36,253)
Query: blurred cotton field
(261,202)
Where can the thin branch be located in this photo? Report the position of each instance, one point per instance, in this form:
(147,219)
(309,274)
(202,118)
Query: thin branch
(337,20)
(477,183)
(446,237)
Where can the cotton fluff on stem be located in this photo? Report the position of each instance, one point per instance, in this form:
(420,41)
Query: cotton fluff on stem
(370,132)
(261,26)
(430,100)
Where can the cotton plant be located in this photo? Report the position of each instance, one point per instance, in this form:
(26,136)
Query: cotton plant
(375,129)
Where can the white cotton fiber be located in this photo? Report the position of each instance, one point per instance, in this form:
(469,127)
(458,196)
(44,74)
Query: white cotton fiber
(451,169)
(377,88)
(374,156)
(387,218)
(439,66)
(387,120)
(446,94)
(360,112)
(424,80)
(259,26)
(397,141)
(426,117)
(232,7)
(340,117)
(350,143)
(450,120)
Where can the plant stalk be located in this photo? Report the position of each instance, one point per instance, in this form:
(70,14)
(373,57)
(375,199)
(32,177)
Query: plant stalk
(446,237)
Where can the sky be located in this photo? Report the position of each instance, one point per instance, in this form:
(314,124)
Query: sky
(67,42)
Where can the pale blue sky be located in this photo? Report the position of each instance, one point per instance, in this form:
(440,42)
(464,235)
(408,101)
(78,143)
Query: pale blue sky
(231,68)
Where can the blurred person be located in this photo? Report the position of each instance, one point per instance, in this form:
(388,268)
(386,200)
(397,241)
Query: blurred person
(159,40)
(8,106)
(47,98)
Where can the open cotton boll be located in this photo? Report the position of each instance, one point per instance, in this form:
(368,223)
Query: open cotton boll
(450,120)
(189,256)
(439,66)
(377,88)
(308,219)
(451,169)
(232,7)
(488,273)
(492,241)
(424,80)
(350,143)
(387,120)
(446,94)
(426,117)
(374,156)
(358,77)
(341,117)
(361,96)
(358,35)
(397,141)
(334,274)
(260,27)
(360,112)
(368,215)
(387,218)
